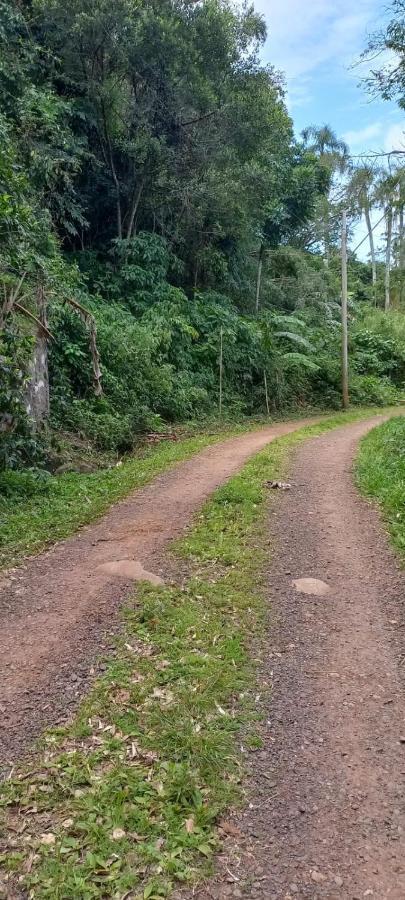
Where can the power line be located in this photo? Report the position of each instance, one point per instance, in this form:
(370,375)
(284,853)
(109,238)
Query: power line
(374,154)
(366,236)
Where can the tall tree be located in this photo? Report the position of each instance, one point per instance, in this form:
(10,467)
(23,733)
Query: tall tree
(361,192)
(333,155)
(387,194)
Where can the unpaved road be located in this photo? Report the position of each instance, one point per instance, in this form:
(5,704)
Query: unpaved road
(58,612)
(327,803)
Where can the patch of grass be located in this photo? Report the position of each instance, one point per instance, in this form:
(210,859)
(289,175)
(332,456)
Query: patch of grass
(124,800)
(380,473)
(37,510)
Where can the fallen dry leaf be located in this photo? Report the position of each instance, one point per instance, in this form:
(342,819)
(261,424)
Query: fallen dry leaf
(189,825)
(165,696)
(230,828)
(29,862)
(121,696)
(48,838)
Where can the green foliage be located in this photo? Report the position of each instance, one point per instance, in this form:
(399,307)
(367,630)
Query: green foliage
(380,471)
(389,79)
(148,169)
(22,486)
(373,390)
(37,509)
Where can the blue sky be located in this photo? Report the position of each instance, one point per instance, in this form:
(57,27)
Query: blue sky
(317,44)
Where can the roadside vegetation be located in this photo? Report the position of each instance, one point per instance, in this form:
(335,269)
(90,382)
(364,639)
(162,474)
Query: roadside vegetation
(380,471)
(37,509)
(126,799)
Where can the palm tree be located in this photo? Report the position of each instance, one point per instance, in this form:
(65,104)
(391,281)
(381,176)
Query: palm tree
(332,152)
(387,192)
(333,155)
(400,204)
(361,190)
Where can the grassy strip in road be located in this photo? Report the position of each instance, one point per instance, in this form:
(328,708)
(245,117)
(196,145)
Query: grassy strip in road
(37,511)
(124,801)
(380,474)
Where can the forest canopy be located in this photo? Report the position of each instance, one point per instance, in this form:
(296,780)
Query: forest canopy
(155,205)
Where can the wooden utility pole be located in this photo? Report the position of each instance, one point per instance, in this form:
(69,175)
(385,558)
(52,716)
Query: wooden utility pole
(221,367)
(345,361)
(387,301)
(401,253)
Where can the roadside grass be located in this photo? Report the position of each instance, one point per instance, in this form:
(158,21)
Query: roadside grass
(123,802)
(380,474)
(37,510)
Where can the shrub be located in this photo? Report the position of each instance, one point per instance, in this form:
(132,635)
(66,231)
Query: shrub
(21,486)
(370,390)
(106,429)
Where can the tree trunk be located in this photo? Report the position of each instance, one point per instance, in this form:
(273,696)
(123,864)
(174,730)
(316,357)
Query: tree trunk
(221,368)
(326,258)
(401,254)
(345,363)
(38,384)
(118,207)
(108,156)
(259,278)
(388,259)
(372,247)
(134,208)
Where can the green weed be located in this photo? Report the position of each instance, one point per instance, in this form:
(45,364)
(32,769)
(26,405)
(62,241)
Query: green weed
(36,511)
(380,473)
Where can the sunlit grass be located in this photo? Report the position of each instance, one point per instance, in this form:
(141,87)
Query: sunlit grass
(380,472)
(36,512)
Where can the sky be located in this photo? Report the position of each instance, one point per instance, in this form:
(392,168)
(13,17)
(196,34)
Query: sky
(317,45)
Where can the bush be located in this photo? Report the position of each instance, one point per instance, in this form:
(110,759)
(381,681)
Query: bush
(21,486)
(108,430)
(370,390)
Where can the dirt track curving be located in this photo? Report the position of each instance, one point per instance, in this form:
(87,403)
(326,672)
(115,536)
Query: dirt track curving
(326,817)
(58,611)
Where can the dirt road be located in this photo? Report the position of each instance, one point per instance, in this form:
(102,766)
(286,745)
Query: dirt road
(58,612)
(326,811)
(326,817)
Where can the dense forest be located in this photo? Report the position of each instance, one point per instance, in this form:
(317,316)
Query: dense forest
(169,248)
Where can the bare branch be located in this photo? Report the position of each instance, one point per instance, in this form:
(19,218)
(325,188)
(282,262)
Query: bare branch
(30,315)
(90,322)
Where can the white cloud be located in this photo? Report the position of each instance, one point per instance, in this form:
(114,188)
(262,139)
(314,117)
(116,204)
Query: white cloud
(359,137)
(394,138)
(318,45)
(301,37)
(321,33)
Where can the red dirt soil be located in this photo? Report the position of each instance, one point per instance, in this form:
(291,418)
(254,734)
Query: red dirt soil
(60,610)
(326,817)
